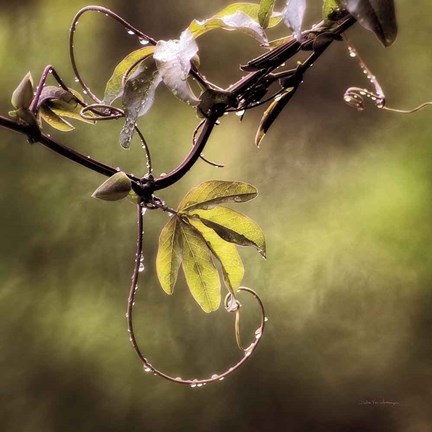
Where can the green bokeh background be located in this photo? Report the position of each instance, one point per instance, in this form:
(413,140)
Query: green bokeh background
(345,202)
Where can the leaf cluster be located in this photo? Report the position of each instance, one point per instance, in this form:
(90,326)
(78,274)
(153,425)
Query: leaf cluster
(202,233)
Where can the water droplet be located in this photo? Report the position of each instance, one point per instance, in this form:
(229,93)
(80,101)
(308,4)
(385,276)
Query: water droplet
(265,319)
(163,174)
(85,91)
(248,352)
(193,385)
(214,376)
(76,79)
(143,212)
(126,315)
(143,41)
(200,385)
(221,378)
(147,369)
(131,32)
(141,267)
(238,199)
(258,333)
(240,113)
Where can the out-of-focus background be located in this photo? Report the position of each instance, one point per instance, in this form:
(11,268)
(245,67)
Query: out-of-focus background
(345,202)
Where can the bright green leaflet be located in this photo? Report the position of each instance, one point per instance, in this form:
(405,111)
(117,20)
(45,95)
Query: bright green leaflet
(198,28)
(53,119)
(214,192)
(328,7)
(265,11)
(169,255)
(201,274)
(233,227)
(226,253)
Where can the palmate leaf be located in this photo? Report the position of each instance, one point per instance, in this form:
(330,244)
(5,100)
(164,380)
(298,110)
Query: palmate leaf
(378,16)
(194,238)
(214,192)
(114,86)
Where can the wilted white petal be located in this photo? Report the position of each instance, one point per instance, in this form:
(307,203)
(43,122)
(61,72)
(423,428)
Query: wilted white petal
(293,15)
(173,59)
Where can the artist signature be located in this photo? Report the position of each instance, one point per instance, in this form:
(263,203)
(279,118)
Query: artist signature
(378,402)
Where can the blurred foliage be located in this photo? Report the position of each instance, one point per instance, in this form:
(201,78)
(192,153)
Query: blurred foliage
(345,202)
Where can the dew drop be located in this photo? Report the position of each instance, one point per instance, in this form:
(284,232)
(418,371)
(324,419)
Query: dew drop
(85,91)
(265,319)
(131,32)
(141,267)
(143,41)
(240,113)
(147,369)
(214,376)
(200,385)
(258,333)
(76,79)
(238,199)
(221,378)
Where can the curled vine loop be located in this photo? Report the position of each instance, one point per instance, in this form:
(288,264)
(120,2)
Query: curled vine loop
(231,305)
(356,96)
(107,12)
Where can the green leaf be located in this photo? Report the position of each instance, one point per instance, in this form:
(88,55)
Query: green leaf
(238,20)
(173,59)
(114,86)
(55,103)
(293,15)
(198,28)
(45,113)
(233,227)
(138,97)
(214,192)
(265,11)
(23,95)
(226,253)
(169,255)
(115,188)
(200,272)
(378,16)
(329,7)
(272,112)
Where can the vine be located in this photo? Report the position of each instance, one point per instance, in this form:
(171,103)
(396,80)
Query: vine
(200,232)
